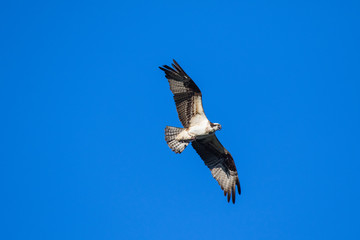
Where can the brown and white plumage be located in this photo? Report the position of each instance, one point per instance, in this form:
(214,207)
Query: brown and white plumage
(199,131)
(220,163)
(187,95)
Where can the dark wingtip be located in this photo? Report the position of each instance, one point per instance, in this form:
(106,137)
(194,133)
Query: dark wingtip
(233,194)
(177,67)
(238,186)
(164,69)
(168,68)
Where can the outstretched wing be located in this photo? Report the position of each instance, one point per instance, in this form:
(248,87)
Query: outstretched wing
(221,164)
(187,95)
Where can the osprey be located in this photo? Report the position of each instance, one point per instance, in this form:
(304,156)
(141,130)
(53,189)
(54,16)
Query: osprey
(199,131)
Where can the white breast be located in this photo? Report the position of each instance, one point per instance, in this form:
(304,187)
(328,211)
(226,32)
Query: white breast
(201,128)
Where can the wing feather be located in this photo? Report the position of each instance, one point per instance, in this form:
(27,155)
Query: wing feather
(220,163)
(187,95)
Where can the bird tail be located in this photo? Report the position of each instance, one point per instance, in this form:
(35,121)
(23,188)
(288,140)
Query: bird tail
(170,138)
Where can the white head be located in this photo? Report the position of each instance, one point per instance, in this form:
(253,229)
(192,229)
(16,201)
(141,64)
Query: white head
(215,126)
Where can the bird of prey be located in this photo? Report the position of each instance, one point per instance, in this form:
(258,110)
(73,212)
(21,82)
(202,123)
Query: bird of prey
(199,131)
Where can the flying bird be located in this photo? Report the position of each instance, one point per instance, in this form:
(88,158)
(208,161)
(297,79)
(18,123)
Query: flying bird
(199,131)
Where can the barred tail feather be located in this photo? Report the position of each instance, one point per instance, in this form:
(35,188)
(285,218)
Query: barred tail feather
(170,138)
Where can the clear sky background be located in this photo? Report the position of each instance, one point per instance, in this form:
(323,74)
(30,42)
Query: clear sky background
(84,107)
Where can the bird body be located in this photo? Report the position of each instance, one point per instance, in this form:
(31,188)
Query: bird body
(199,131)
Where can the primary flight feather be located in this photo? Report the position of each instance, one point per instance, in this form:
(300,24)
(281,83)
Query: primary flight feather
(199,131)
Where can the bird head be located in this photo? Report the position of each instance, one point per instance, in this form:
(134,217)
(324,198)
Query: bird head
(216,126)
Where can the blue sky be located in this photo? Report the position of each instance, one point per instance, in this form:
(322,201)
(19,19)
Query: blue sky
(84,108)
